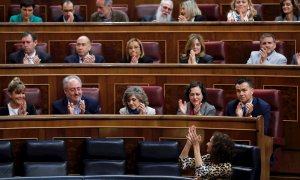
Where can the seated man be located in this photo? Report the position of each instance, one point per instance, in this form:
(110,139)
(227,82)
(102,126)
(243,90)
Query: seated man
(267,53)
(29,54)
(105,13)
(68,13)
(26,15)
(74,102)
(83,47)
(163,13)
(246,105)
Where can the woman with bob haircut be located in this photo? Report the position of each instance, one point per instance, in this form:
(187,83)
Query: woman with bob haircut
(136,101)
(216,163)
(189,12)
(134,53)
(17,104)
(196,104)
(194,51)
(289,11)
(242,10)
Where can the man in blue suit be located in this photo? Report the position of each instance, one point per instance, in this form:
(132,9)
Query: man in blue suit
(246,105)
(83,55)
(74,102)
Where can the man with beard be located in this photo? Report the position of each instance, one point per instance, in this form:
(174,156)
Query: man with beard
(245,105)
(29,54)
(267,53)
(163,13)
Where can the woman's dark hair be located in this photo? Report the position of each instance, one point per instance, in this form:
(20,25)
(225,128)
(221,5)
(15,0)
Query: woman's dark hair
(27,3)
(222,148)
(193,84)
(296,9)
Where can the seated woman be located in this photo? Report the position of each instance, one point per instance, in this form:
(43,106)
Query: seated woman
(289,11)
(189,11)
(214,165)
(196,95)
(134,53)
(17,104)
(194,51)
(136,101)
(242,10)
(26,15)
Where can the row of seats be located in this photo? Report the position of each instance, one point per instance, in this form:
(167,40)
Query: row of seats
(49,158)
(213,12)
(153,50)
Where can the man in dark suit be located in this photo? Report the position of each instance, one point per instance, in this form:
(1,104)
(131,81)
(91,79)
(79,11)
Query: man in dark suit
(246,105)
(83,47)
(29,54)
(69,13)
(74,102)
(163,13)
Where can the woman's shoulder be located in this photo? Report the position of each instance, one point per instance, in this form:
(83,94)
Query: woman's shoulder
(206,58)
(183,59)
(278,18)
(123,110)
(146,59)
(209,106)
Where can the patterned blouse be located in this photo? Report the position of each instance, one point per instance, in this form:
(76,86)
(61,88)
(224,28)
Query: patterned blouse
(208,170)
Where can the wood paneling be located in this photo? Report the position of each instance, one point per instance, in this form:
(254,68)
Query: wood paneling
(73,129)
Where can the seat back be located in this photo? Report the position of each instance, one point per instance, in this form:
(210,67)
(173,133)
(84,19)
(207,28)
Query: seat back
(123,8)
(145,10)
(33,96)
(211,11)
(246,162)
(279,46)
(158,158)
(273,97)
(45,158)
(56,12)
(215,97)
(152,49)
(42,47)
(155,98)
(104,156)
(96,48)
(6,160)
(216,50)
(14,9)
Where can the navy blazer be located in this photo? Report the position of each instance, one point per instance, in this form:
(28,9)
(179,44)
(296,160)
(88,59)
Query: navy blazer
(260,107)
(30,109)
(74,58)
(77,18)
(200,18)
(61,106)
(17,57)
(206,59)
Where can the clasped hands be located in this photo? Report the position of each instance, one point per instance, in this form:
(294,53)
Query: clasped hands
(239,109)
(192,57)
(36,59)
(71,107)
(192,136)
(89,59)
(22,109)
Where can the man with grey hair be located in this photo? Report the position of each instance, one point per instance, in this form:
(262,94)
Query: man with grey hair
(74,102)
(267,53)
(105,13)
(163,13)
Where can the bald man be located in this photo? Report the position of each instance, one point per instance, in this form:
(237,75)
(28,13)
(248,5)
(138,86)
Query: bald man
(83,55)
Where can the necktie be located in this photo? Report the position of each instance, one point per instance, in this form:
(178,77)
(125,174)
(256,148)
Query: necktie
(244,111)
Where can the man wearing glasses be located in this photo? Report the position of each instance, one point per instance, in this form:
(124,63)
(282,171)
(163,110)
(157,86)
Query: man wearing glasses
(163,13)
(69,13)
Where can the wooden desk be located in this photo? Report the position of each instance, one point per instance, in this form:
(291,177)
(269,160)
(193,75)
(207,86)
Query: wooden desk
(134,128)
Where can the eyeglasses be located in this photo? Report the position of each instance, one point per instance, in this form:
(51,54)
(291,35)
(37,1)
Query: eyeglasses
(74,89)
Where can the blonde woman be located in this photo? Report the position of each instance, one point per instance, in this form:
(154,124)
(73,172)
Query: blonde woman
(189,12)
(242,10)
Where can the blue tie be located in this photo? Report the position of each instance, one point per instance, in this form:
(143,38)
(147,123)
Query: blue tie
(244,111)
